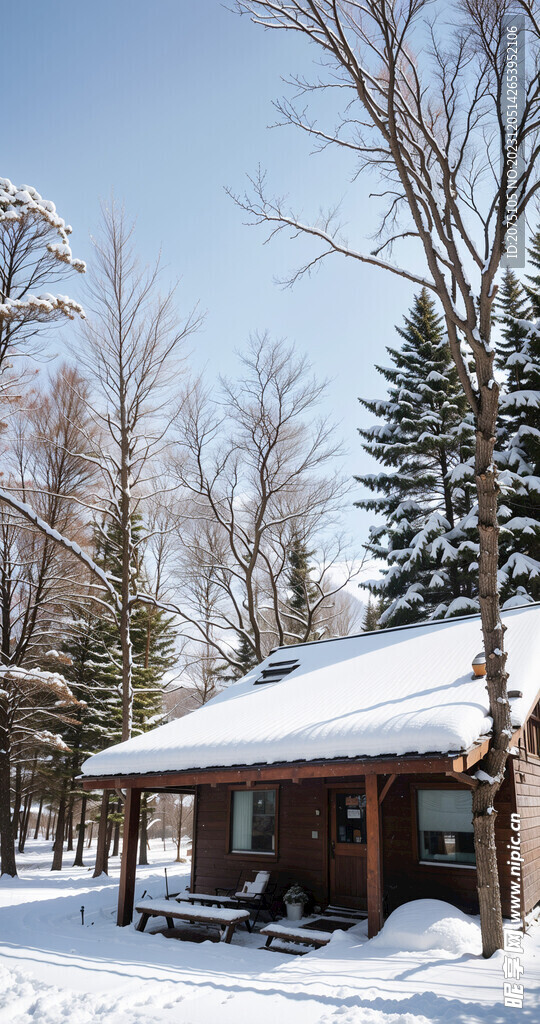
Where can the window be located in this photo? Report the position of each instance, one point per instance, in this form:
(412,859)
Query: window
(253,821)
(445,829)
(533,731)
(351,817)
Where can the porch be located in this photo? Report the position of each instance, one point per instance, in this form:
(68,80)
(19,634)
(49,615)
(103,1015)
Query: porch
(327,832)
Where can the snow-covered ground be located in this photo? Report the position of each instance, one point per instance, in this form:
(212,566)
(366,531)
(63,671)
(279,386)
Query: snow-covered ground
(54,969)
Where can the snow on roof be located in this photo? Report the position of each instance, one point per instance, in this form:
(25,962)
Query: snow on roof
(390,692)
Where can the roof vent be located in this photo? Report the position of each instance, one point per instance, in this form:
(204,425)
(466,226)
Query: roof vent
(276,671)
(479,664)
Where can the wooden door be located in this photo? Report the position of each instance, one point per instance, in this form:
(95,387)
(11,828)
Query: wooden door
(347,837)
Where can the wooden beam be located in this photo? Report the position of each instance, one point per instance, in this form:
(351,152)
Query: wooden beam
(128,866)
(389,782)
(464,761)
(462,777)
(274,773)
(373,854)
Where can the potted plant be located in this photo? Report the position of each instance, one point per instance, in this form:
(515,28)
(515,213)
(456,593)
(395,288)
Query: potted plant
(295,899)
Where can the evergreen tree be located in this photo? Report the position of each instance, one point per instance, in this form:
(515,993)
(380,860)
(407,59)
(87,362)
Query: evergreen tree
(153,642)
(372,615)
(301,593)
(428,535)
(532,289)
(512,305)
(518,457)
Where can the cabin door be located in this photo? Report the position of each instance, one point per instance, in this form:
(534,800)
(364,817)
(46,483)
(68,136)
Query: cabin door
(347,820)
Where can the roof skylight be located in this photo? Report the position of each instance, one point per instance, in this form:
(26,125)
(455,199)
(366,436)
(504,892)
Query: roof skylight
(276,671)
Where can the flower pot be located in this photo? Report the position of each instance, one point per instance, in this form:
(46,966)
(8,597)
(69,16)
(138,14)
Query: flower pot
(294,911)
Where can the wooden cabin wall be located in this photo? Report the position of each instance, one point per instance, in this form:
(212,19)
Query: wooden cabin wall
(404,878)
(300,858)
(304,860)
(526,770)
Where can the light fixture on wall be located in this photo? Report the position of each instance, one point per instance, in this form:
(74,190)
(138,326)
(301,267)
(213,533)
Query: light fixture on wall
(479,665)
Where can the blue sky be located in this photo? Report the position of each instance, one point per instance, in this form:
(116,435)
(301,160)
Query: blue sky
(166,103)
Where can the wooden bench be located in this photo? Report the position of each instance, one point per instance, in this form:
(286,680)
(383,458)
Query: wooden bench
(225,919)
(206,898)
(301,936)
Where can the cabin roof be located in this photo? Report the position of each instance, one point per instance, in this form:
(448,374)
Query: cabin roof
(390,692)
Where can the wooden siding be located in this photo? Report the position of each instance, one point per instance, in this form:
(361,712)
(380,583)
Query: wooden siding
(526,770)
(404,878)
(302,859)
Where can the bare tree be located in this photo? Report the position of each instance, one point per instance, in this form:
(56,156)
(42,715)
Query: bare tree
(33,704)
(40,584)
(255,463)
(37,578)
(133,341)
(427,115)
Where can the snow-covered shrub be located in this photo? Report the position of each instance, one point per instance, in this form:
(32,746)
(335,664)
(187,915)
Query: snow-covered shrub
(430,924)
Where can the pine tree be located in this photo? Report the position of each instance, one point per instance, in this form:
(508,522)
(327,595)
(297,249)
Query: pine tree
(518,457)
(427,537)
(512,305)
(301,593)
(152,638)
(532,289)
(372,615)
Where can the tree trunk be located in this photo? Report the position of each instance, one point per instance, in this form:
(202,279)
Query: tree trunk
(24,822)
(69,826)
(102,852)
(116,838)
(38,819)
(17,801)
(143,832)
(78,862)
(8,864)
(109,839)
(179,827)
(126,566)
(58,847)
(48,830)
(89,843)
(484,816)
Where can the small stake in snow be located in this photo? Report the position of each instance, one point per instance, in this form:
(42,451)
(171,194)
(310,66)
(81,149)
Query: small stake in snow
(82,915)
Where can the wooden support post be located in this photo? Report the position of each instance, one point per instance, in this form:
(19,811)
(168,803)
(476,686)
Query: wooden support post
(129,857)
(373,853)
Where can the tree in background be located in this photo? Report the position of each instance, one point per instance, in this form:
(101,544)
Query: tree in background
(34,706)
(258,469)
(518,447)
(372,614)
(425,443)
(301,593)
(34,255)
(133,341)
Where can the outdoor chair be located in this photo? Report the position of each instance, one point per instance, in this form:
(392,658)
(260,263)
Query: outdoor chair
(254,895)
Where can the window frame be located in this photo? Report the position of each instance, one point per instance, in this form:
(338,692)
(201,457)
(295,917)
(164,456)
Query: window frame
(253,854)
(531,733)
(450,865)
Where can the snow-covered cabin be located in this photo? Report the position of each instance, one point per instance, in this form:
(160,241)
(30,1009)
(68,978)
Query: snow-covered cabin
(347,765)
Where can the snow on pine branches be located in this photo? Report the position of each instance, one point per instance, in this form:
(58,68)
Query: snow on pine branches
(38,239)
(519,435)
(427,537)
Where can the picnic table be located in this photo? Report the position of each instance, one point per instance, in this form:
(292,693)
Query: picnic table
(226,919)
